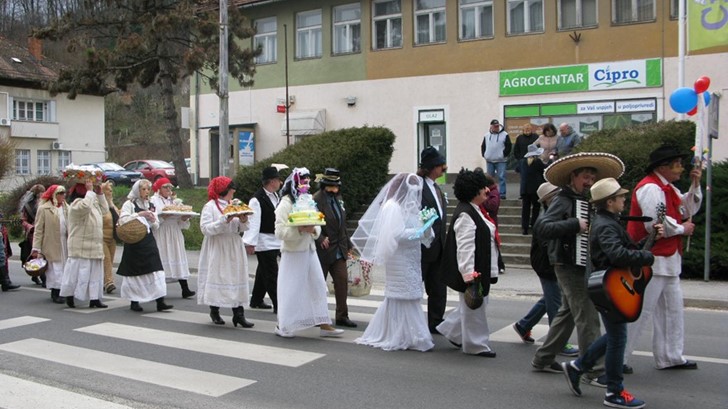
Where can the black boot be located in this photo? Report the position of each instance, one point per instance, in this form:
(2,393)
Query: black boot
(97,304)
(43,280)
(69,302)
(215,315)
(161,306)
(5,282)
(56,296)
(239,318)
(186,292)
(136,307)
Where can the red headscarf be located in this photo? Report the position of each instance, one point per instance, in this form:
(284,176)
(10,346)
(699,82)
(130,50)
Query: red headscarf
(50,194)
(78,189)
(217,186)
(159,183)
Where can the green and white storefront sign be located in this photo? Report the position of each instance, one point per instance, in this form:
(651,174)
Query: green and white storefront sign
(585,77)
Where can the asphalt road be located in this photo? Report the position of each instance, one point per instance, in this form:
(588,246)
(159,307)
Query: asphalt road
(51,356)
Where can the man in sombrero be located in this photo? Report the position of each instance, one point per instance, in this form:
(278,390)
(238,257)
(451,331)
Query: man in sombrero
(663,301)
(574,174)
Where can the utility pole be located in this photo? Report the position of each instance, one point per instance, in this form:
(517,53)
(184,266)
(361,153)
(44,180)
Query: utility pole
(224,131)
(287,104)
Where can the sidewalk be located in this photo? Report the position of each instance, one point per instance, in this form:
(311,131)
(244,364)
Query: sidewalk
(524,283)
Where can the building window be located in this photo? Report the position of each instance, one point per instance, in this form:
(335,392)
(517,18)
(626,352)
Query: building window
(525,16)
(64,159)
(22,161)
(476,19)
(44,162)
(674,9)
(429,21)
(266,37)
(387,24)
(347,28)
(577,13)
(308,34)
(30,111)
(632,11)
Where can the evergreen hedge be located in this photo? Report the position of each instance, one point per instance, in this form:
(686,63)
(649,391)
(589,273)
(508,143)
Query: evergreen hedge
(361,154)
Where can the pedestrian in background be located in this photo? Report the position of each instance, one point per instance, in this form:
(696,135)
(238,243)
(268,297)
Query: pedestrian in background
(567,140)
(27,209)
(547,141)
(532,176)
(495,148)
(520,149)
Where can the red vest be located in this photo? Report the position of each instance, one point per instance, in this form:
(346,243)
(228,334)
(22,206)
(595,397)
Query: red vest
(666,246)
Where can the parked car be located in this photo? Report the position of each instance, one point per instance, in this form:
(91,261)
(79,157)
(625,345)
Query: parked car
(153,169)
(114,172)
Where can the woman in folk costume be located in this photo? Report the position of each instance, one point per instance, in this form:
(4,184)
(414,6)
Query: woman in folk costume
(170,240)
(390,234)
(471,258)
(50,238)
(302,292)
(222,278)
(27,209)
(110,220)
(83,273)
(141,267)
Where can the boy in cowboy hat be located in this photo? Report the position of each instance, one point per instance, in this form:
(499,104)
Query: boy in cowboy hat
(664,290)
(610,246)
(575,174)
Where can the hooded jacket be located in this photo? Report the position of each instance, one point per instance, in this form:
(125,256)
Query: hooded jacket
(496,146)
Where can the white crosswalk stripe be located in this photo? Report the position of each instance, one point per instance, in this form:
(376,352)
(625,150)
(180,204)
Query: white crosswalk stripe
(20,321)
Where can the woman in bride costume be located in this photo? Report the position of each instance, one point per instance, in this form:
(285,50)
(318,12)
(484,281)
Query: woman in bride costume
(389,235)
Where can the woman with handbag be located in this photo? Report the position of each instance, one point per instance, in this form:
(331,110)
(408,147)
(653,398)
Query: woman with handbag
(470,265)
(50,238)
(28,208)
(141,268)
(389,235)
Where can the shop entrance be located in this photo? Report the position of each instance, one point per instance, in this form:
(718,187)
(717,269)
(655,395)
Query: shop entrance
(432,131)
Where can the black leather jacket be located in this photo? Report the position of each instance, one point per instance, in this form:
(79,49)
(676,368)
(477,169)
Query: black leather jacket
(611,246)
(560,227)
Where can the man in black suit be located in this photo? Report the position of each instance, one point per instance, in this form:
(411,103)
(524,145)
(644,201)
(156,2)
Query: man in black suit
(333,245)
(432,166)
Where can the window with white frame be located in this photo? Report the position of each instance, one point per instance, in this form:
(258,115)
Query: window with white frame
(308,34)
(347,28)
(429,21)
(22,161)
(476,19)
(577,13)
(525,16)
(633,11)
(386,24)
(266,37)
(64,159)
(44,162)
(30,110)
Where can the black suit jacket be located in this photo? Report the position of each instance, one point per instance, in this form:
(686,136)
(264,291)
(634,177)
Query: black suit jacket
(432,254)
(335,231)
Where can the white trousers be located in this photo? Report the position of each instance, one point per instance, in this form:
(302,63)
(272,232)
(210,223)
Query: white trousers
(663,306)
(467,327)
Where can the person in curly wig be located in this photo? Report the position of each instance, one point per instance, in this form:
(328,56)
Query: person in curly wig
(471,258)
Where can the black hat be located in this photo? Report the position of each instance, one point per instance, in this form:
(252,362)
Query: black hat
(330,177)
(664,154)
(494,122)
(270,173)
(431,158)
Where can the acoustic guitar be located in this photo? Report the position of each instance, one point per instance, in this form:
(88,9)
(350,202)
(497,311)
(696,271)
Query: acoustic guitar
(618,292)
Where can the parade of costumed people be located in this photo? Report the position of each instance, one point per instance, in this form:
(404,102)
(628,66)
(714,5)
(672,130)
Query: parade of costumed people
(110,220)
(222,278)
(50,237)
(83,273)
(27,209)
(390,234)
(302,292)
(170,240)
(140,267)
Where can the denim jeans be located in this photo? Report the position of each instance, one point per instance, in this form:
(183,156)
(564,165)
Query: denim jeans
(498,171)
(548,304)
(610,345)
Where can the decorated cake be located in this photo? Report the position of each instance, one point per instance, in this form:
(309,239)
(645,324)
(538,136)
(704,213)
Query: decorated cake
(305,213)
(80,174)
(177,206)
(237,207)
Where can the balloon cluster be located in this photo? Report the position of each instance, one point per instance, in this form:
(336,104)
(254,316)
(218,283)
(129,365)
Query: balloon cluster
(684,100)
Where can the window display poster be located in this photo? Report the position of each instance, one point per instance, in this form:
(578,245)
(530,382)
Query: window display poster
(246,148)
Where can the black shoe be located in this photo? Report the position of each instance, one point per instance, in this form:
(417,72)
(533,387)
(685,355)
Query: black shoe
(487,354)
(161,306)
(456,344)
(239,318)
(215,316)
(56,297)
(687,365)
(261,305)
(433,330)
(627,370)
(110,288)
(36,280)
(136,307)
(69,302)
(525,232)
(186,292)
(9,287)
(346,322)
(97,304)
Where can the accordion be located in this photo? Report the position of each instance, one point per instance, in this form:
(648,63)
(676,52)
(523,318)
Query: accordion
(581,246)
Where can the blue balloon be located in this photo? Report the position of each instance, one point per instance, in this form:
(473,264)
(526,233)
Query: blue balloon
(706,98)
(683,99)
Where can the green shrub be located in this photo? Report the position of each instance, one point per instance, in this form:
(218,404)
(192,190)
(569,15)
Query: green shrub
(361,154)
(11,200)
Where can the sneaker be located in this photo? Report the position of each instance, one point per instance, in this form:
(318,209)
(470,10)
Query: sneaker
(525,335)
(572,375)
(599,382)
(622,400)
(555,367)
(283,334)
(627,370)
(569,350)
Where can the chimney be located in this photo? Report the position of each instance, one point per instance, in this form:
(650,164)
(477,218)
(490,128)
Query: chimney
(35,47)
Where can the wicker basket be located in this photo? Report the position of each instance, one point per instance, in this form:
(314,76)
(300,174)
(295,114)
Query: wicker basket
(131,232)
(35,266)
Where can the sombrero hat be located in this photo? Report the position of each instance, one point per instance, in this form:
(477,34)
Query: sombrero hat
(606,164)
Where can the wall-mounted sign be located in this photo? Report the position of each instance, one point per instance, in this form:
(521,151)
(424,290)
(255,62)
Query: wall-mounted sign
(432,116)
(637,105)
(595,107)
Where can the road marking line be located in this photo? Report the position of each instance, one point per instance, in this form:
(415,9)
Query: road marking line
(229,349)
(23,394)
(171,376)
(20,321)
(691,357)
